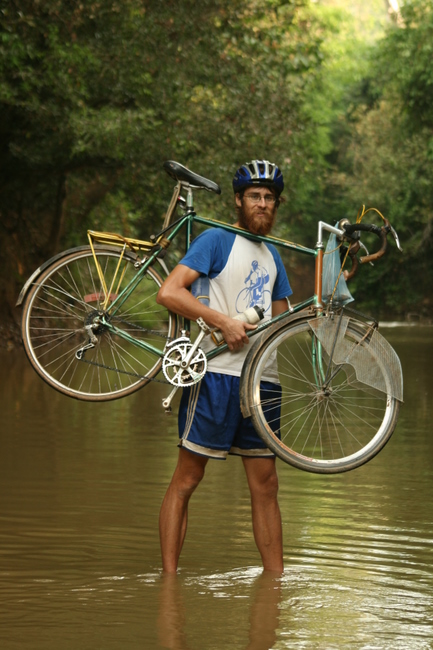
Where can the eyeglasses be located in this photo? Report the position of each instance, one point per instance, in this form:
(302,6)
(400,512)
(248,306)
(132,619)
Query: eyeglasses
(255,198)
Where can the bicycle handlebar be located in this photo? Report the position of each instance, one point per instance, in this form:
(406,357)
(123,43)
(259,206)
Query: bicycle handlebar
(381,232)
(351,232)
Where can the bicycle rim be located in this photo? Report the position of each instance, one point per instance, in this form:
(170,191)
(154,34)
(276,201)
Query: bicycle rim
(323,430)
(67,297)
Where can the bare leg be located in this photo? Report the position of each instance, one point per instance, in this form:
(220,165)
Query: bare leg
(263,483)
(173,517)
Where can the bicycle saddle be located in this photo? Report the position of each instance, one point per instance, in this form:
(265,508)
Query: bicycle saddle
(181,173)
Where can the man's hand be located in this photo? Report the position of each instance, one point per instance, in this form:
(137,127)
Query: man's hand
(174,295)
(234,333)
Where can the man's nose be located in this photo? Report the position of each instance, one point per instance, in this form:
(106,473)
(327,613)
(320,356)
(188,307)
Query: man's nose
(262,201)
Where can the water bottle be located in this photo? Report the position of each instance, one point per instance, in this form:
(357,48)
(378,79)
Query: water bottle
(200,289)
(252,315)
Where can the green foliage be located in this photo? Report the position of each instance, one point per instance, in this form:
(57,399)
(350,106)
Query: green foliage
(407,53)
(385,159)
(95,96)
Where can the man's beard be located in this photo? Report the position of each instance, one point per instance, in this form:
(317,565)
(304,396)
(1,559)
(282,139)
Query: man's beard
(257,224)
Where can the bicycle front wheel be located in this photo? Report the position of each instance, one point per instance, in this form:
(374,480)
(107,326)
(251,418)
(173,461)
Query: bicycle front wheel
(332,418)
(71,295)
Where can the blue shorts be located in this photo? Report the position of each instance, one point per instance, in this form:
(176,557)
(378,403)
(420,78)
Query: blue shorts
(211,422)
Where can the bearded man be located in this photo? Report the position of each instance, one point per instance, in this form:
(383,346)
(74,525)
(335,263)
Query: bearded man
(211,424)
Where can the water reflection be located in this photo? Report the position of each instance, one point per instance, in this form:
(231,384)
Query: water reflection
(263,603)
(80,490)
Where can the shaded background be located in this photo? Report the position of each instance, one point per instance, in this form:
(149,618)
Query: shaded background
(95,96)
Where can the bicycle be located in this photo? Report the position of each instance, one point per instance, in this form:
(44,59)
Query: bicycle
(92,329)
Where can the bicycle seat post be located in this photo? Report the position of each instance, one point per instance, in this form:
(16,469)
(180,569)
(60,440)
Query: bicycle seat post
(189,200)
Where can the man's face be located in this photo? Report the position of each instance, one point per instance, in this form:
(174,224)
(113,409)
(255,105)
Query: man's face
(257,210)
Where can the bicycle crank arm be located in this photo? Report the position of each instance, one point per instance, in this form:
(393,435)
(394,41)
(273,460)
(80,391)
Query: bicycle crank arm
(205,329)
(166,403)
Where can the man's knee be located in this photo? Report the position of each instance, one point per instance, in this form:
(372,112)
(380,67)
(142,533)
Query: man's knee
(189,473)
(269,485)
(263,478)
(187,483)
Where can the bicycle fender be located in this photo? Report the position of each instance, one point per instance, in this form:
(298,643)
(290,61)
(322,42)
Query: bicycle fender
(53,259)
(259,341)
(42,268)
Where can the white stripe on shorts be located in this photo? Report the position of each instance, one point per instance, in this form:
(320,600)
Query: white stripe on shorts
(192,404)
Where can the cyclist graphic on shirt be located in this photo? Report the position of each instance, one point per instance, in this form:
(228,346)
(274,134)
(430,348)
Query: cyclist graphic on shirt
(255,282)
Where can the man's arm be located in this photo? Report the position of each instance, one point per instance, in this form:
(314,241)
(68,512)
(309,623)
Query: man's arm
(174,295)
(279,306)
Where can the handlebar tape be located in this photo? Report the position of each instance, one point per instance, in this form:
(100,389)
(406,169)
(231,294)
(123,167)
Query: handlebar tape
(350,228)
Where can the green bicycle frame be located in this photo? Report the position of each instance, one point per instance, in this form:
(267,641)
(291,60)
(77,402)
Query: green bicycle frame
(187,222)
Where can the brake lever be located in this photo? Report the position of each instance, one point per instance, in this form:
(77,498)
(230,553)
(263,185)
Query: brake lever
(366,250)
(394,234)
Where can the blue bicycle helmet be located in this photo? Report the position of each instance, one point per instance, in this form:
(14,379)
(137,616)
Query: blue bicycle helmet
(258,172)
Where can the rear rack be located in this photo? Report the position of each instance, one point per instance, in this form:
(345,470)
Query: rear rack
(113,239)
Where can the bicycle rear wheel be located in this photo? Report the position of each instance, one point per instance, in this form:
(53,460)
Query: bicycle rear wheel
(68,297)
(333,418)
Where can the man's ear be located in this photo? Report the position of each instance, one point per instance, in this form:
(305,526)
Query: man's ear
(238,200)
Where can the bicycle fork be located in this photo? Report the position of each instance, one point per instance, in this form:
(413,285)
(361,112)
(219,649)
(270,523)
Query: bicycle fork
(324,378)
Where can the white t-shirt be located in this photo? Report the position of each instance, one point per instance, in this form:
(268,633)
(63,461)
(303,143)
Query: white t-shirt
(242,273)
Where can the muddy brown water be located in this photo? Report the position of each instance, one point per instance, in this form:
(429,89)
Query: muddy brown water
(80,490)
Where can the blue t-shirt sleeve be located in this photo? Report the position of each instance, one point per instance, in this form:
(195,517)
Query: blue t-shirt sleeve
(282,288)
(209,252)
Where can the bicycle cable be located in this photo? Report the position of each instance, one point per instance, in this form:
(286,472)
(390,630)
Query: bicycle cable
(144,329)
(126,372)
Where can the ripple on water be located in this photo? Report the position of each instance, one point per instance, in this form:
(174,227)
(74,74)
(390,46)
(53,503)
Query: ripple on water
(80,490)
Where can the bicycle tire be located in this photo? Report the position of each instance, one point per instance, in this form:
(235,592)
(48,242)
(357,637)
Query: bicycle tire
(67,296)
(320,433)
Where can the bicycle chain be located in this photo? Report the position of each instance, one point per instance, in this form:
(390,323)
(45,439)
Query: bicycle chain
(125,372)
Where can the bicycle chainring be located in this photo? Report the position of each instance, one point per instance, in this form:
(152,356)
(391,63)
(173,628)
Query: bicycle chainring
(172,365)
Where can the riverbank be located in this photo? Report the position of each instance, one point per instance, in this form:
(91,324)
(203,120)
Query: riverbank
(420,323)
(10,336)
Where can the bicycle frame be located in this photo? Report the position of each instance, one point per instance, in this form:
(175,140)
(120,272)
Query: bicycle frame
(162,241)
(326,358)
(187,222)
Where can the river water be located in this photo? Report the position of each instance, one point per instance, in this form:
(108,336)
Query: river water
(80,489)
